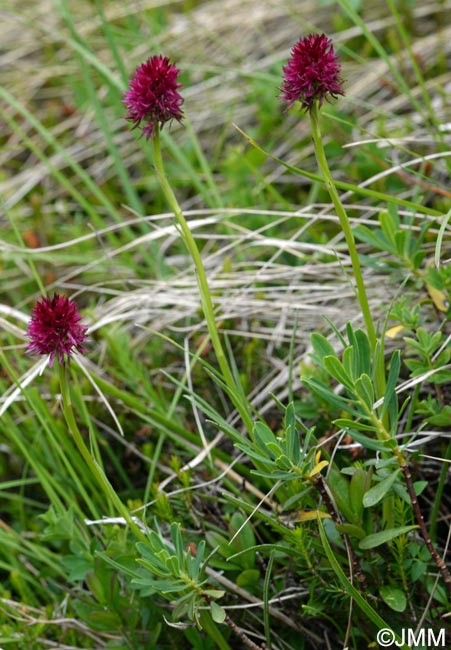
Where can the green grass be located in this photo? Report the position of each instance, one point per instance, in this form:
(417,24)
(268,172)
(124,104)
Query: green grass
(297,531)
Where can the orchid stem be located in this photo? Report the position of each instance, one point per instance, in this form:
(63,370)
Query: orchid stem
(344,223)
(94,467)
(204,290)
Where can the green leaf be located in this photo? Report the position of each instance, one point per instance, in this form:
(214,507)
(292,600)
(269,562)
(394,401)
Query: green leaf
(214,593)
(248,579)
(293,445)
(155,565)
(243,541)
(418,570)
(177,540)
(274,449)
(390,227)
(165,587)
(391,443)
(173,565)
(351,530)
(364,234)
(181,610)
(376,539)
(77,567)
(332,398)
(335,368)
(146,550)
(290,416)
(344,423)
(59,526)
(369,443)
(392,379)
(390,398)
(350,589)
(218,613)
(263,435)
(394,597)
(101,620)
(364,389)
(193,562)
(266,460)
(217,540)
(357,491)
(283,462)
(419,486)
(349,362)
(276,475)
(206,623)
(401,491)
(97,588)
(362,352)
(246,537)
(321,346)
(339,486)
(378,491)
(358,355)
(293,442)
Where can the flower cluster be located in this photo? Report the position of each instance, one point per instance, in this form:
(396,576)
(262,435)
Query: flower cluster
(312,74)
(153,96)
(55,328)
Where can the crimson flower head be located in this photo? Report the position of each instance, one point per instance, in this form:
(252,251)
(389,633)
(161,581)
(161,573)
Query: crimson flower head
(55,328)
(312,74)
(153,96)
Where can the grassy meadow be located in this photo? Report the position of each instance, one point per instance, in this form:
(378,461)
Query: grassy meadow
(253,450)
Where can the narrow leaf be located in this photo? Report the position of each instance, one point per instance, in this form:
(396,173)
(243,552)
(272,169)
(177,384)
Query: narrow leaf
(376,539)
(392,380)
(321,346)
(332,398)
(336,369)
(376,493)
(364,388)
(344,423)
(369,443)
(352,530)
(350,589)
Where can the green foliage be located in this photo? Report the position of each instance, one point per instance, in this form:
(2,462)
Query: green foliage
(176,574)
(235,533)
(430,355)
(393,597)
(398,239)
(282,457)
(360,376)
(434,412)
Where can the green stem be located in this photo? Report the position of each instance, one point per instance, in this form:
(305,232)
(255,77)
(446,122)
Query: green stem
(94,467)
(344,222)
(204,290)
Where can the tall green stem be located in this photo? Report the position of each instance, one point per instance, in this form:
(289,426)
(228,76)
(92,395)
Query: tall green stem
(94,467)
(344,223)
(204,290)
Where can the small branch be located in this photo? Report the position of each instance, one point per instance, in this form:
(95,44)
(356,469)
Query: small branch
(242,635)
(274,612)
(423,529)
(355,564)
